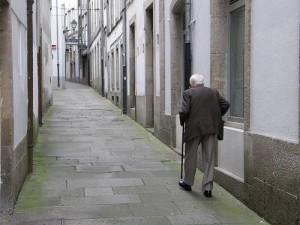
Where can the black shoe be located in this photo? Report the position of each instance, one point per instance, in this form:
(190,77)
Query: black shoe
(185,186)
(207,194)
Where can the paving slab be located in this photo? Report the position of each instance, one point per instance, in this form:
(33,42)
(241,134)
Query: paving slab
(74,212)
(140,190)
(105,182)
(98,191)
(93,165)
(98,169)
(202,218)
(122,221)
(40,222)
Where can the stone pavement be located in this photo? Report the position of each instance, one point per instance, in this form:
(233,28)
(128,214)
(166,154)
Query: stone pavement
(93,165)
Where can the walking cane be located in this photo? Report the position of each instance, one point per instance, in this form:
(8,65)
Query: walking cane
(182,151)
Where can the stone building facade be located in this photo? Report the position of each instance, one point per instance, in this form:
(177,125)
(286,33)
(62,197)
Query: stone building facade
(26,93)
(71,32)
(259,166)
(246,51)
(96,44)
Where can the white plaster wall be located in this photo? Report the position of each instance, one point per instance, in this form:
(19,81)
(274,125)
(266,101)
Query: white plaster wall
(168,59)
(35,66)
(114,40)
(200,30)
(60,45)
(95,62)
(114,35)
(130,13)
(19,9)
(19,54)
(140,50)
(95,42)
(231,152)
(136,8)
(47,67)
(275,68)
(54,42)
(62,56)
(156,43)
(45,23)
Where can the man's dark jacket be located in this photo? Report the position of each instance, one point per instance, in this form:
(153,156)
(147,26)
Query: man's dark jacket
(202,111)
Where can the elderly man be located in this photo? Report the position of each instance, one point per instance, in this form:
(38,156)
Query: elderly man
(202,111)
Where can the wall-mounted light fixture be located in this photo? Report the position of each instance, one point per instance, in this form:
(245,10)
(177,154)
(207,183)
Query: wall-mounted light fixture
(74,24)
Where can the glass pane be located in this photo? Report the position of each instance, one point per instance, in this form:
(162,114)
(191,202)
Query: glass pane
(237,37)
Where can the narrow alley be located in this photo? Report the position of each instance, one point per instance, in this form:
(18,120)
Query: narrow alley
(93,165)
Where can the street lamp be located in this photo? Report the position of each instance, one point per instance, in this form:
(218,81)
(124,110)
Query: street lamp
(74,24)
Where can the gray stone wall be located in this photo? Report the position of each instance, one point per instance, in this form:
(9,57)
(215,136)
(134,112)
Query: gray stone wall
(113,96)
(7,106)
(163,123)
(156,115)
(274,180)
(141,110)
(219,45)
(15,166)
(271,186)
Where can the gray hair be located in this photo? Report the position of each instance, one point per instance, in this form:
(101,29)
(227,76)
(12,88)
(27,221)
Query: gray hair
(197,79)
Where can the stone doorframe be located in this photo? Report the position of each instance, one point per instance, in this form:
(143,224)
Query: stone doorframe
(177,52)
(149,27)
(131,85)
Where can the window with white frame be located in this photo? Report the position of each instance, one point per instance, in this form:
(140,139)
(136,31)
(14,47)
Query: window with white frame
(236,58)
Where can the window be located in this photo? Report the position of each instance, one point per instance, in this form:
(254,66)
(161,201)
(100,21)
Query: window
(113,75)
(236,57)
(117,70)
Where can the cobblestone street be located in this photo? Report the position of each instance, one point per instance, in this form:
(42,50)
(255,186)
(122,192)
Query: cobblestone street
(93,165)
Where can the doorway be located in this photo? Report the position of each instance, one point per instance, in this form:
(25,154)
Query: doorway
(178,63)
(132,75)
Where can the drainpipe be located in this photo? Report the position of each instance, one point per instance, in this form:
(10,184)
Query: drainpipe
(57,45)
(187,44)
(124,84)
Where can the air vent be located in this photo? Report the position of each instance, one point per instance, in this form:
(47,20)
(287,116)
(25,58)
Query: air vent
(232,1)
